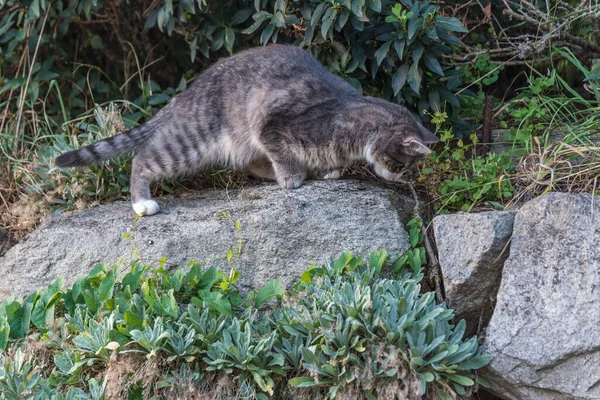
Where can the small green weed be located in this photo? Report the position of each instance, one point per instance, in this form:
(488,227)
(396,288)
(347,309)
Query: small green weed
(459,179)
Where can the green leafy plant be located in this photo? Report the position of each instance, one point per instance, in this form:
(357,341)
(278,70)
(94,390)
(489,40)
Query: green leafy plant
(254,358)
(18,376)
(459,179)
(354,316)
(95,341)
(153,338)
(349,325)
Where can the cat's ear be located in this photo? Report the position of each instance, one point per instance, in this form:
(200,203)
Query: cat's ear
(415,148)
(426,136)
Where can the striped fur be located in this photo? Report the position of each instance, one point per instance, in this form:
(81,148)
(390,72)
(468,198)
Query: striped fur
(106,149)
(275,111)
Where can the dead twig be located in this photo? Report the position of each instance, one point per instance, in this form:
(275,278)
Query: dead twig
(32,64)
(487,125)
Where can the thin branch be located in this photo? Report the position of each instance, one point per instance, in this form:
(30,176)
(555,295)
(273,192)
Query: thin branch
(91,22)
(546,31)
(13,8)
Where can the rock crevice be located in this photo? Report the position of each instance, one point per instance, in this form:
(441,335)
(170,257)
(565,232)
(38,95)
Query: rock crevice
(544,329)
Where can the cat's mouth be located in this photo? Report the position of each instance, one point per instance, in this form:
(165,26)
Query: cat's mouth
(387,174)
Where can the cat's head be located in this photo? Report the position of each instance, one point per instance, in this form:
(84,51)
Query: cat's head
(398,146)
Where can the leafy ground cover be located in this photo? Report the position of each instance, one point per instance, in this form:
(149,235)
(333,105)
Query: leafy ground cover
(352,328)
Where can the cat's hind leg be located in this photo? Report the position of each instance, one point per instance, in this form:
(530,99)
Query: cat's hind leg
(262,168)
(141,177)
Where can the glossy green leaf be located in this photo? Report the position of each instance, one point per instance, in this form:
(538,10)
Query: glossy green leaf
(433,64)
(229,39)
(377,260)
(450,24)
(266,34)
(375,5)
(414,78)
(318,13)
(382,52)
(270,290)
(241,16)
(399,47)
(257,23)
(417,52)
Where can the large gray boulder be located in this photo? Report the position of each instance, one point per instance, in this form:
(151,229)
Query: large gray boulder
(281,233)
(545,330)
(472,249)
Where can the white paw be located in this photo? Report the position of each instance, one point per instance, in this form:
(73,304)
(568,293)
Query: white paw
(335,174)
(145,207)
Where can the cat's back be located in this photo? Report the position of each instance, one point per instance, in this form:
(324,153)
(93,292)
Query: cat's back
(277,66)
(279,58)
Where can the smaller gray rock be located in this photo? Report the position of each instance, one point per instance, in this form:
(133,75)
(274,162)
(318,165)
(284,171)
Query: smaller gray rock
(472,249)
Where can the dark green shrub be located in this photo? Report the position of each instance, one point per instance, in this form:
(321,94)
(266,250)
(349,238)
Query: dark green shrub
(389,48)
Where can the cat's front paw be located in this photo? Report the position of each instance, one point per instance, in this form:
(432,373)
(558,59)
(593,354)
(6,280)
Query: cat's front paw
(335,174)
(145,207)
(291,181)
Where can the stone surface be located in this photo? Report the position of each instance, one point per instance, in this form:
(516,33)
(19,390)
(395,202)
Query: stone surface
(545,331)
(472,249)
(281,231)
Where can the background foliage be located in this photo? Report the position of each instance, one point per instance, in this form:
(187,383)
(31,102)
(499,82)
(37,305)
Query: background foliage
(73,72)
(78,71)
(375,34)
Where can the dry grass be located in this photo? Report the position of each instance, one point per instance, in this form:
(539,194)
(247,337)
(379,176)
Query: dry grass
(557,167)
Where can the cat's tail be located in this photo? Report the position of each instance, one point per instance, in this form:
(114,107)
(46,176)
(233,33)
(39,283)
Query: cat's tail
(108,148)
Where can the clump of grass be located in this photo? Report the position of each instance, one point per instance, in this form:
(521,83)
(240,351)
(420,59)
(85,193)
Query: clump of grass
(46,115)
(571,162)
(559,167)
(36,187)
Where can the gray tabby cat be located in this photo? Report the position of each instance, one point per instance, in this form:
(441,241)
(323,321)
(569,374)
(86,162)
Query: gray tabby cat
(275,111)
